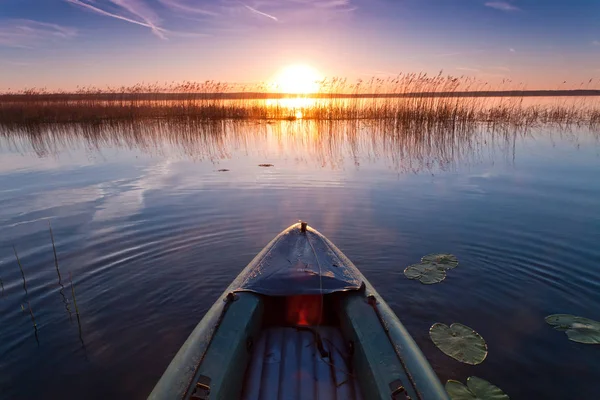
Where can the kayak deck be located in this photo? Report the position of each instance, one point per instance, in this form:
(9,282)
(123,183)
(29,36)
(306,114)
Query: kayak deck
(286,363)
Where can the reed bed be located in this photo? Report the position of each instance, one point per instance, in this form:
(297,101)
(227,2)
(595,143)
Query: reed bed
(407,100)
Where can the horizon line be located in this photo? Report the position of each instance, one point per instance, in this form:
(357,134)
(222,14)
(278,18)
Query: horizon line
(275,96)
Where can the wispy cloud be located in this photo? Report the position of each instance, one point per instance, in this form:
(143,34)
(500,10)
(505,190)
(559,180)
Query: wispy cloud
(502,6)
(500,68)
(216,15)
(512,50)
(254,10)
(26,33)
(596,43)
(468,69)
(330,3)
(297,11)
(139,14)
(182,6)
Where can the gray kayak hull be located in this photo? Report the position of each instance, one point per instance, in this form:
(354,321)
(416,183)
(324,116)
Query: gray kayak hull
(213,362)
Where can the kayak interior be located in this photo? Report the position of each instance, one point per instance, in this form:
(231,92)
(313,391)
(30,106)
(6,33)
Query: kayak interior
(291,361)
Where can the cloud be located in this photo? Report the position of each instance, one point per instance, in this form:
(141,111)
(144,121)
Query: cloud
(331,3)
(26,33)
(512,50)
(502,6)
(182,6)
(596,43)
(254,10)
(139,14)
(216,15)
(468,69)
(293,11)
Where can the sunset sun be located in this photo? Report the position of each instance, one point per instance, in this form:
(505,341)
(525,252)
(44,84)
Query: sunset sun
(298,79)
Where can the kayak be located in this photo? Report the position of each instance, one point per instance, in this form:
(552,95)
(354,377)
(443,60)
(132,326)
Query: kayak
(299,322)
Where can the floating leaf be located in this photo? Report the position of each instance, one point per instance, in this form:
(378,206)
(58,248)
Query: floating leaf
(448,261)
(476,389)
(426,273)
(459,342)
(578,329)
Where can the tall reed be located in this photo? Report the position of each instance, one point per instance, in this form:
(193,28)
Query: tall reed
(407,99)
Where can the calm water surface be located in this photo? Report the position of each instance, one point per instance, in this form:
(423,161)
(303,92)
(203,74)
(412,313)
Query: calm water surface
(153,232)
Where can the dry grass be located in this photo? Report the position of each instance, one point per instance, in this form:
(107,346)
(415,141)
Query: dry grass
(409,101)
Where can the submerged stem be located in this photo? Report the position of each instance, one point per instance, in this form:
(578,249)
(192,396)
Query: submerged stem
(54,250)
(21,268)
(76,311)
(73,294)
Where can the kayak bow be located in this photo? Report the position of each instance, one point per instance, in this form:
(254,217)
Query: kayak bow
(299,322)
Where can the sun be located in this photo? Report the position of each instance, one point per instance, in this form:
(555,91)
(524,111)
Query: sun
(298,79)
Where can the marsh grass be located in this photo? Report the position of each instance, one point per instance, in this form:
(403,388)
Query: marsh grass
(409,100)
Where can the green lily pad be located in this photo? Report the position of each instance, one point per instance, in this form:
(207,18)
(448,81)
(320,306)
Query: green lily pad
(448,261)
(426,273)
(476,389)
(578,329)
(459,342)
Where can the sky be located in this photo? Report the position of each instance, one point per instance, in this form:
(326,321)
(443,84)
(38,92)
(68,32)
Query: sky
(62,44)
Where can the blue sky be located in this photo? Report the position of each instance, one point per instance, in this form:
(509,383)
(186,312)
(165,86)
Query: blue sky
(65,43)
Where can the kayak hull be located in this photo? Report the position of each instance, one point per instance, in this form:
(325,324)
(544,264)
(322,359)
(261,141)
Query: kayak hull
(222,357)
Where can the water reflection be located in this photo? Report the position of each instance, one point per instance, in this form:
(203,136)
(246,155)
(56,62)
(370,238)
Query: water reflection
(331,144)
(152,238)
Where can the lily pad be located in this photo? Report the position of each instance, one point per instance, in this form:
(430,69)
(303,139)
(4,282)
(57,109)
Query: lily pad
(426,273)
(578,329)
(459,342)
(448,261)
(476,389)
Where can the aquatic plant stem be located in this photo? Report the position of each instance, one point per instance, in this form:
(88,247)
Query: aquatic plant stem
(35,328)
(54,250)
(21,268)
(62,287)
(73,294)
(76,311)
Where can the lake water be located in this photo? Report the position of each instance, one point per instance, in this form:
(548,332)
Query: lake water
(152,232)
